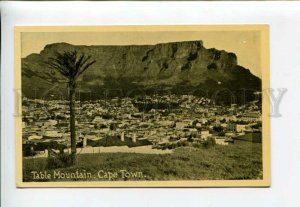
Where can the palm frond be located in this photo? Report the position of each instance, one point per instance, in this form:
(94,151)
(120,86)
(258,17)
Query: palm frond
(84,68)
(69,64)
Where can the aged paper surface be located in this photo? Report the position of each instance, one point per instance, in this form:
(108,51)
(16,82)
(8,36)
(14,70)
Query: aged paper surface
(142,106)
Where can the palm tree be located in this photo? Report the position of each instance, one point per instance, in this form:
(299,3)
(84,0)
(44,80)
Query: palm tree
(71,66)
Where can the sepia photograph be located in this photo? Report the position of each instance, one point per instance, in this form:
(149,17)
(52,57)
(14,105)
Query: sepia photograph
(142,106)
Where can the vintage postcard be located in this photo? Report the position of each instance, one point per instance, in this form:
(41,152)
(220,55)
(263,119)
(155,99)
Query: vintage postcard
(142,106)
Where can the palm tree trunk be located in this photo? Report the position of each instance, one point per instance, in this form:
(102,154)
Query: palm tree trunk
(72,88)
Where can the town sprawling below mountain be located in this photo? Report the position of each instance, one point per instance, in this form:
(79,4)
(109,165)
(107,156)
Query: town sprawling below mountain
(163,96)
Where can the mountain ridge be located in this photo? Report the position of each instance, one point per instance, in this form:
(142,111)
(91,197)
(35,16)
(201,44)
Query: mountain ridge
(179,66)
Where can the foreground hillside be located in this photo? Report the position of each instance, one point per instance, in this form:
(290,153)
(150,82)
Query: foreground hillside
(238,161)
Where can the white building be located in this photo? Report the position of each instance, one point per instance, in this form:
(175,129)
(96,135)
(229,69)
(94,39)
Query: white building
(241,127)
(204,134)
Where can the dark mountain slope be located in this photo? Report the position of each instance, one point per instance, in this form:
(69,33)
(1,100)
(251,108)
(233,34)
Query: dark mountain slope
(182,67)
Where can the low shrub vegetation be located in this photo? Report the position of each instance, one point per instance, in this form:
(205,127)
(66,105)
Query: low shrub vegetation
(237,161)
(59,161)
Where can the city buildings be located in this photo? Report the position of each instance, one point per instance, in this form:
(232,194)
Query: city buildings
(158,119)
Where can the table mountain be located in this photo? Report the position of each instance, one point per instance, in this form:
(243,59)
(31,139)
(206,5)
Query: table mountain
(177,67)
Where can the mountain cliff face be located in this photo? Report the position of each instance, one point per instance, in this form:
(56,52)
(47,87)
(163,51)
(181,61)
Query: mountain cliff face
(180,67)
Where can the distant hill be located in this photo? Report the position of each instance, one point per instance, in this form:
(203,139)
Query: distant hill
(179,67)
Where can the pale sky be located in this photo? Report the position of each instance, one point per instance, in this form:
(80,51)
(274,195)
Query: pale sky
(245,44)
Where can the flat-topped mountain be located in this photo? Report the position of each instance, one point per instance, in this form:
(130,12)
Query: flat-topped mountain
(179,67)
